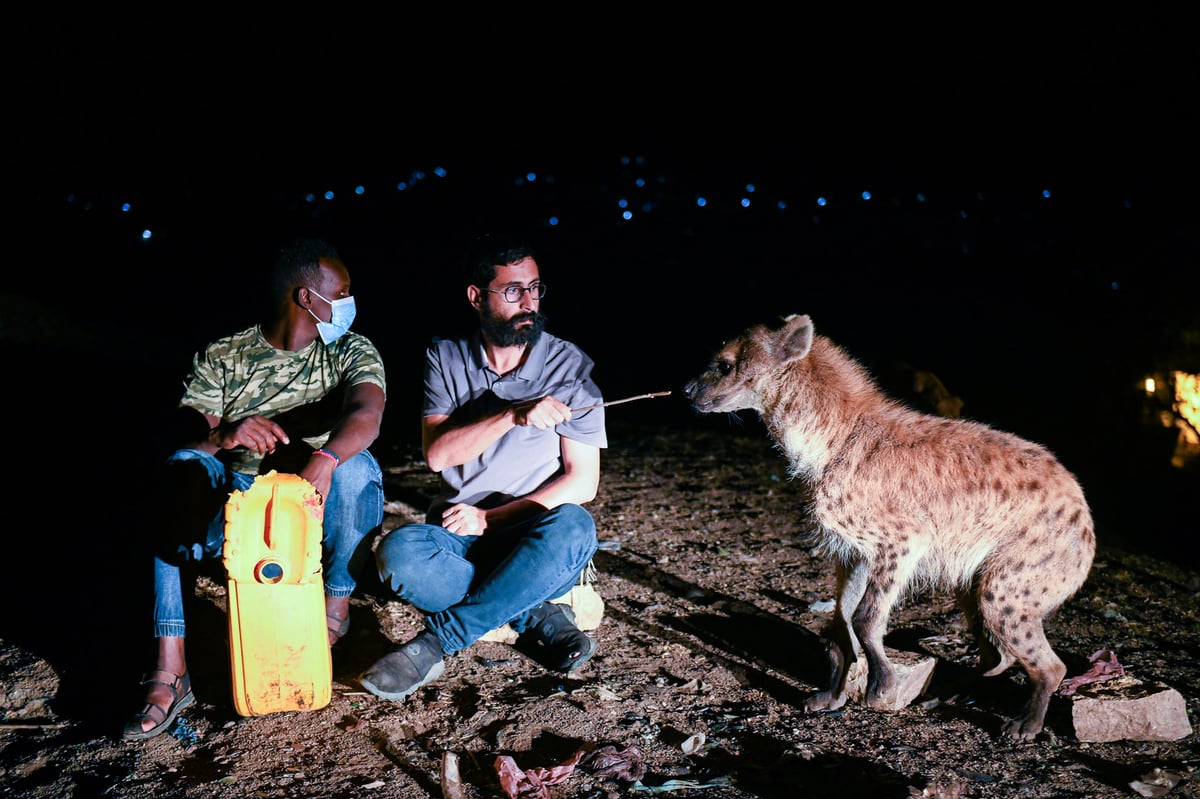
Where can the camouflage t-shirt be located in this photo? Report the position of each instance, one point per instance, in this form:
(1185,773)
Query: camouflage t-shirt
(242,375)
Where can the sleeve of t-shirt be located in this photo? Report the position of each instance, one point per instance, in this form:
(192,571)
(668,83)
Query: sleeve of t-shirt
(203,389)
(588,426)
(362,363)
(439,395)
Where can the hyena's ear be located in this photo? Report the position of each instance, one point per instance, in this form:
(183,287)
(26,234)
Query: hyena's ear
(794,339)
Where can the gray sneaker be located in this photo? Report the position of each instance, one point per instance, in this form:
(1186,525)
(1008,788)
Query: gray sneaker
(417,663)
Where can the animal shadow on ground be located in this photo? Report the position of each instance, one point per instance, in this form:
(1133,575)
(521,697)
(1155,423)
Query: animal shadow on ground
(743,630)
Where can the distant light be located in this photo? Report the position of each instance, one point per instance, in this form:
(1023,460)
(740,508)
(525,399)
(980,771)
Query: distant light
(781,205)
(821,201)
(125,206)
(920,196)
(640,183)
(310,197)
(401,186)
(750,187)
(440,171)
(622,203)
(359,190)
(1113,285)
(701,202)
(329,194)
(1149,385)
(552,221)
(1128,204)
(962,214)
(146,235)
(866,195)
(531,176)
(627,215)
(1046,193)
(745,202)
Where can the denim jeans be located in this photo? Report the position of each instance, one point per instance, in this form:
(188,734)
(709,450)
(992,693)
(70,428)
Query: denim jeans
(468,585)
(196,487)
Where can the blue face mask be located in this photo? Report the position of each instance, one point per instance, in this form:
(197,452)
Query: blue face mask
(339,322)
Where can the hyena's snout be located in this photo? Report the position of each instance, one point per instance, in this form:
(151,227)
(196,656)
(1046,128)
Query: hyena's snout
(704,392)
(690,390)
(694,390)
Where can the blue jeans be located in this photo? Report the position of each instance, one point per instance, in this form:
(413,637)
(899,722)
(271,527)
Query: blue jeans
(197,486)
(468,585)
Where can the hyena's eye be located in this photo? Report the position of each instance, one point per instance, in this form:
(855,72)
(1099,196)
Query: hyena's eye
(723,368)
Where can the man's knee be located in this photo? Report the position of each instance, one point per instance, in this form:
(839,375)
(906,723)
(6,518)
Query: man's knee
(404,548)
(574,523)
(360,473)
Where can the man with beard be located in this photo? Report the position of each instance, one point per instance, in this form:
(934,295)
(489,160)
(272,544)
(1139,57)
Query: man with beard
(509,532)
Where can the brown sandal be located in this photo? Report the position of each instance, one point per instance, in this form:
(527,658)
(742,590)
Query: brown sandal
(337,627)
(181,688)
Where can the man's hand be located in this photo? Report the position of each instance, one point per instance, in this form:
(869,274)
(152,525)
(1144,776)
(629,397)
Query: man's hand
(253,432)
(462,519)
(542,413)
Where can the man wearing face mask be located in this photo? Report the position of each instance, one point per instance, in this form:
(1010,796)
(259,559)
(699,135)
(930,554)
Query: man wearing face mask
(299,394)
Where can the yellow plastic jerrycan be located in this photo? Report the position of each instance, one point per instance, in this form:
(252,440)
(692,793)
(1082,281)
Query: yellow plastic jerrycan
(278,642)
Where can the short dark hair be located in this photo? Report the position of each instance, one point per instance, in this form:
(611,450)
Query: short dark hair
(297,264)
(488,251)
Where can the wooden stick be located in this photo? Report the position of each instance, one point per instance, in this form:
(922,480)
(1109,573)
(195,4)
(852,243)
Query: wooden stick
(618,402)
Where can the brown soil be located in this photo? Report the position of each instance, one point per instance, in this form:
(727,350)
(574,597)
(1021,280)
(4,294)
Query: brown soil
(706,650)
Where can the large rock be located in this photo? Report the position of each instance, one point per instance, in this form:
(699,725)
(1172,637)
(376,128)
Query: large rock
(1127,709)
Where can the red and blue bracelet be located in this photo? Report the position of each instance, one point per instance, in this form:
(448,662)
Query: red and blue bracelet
(329,454)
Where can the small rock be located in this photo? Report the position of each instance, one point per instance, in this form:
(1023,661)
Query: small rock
(913,673)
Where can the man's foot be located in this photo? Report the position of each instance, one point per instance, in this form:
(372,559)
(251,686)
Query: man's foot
(565,646)
(417,663)
(168,694)
(337,617)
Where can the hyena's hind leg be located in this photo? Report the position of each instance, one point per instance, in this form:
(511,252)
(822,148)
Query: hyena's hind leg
(841,646)
(1017,629)
(992,660)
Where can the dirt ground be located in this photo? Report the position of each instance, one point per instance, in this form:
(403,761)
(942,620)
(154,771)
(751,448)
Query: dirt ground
(707,648)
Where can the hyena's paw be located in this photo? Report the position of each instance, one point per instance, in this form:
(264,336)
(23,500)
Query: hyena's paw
(1025,728)
(882,698)
(824,700)
(882,688)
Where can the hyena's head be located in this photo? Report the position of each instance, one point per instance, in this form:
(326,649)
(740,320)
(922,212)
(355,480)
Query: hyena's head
(746,367)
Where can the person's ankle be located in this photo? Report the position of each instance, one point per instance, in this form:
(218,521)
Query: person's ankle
(337,606)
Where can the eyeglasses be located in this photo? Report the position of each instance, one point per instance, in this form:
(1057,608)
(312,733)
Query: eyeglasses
(513,293)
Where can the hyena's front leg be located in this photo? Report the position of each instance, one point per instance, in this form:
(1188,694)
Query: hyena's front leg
(889,573)
(841,646)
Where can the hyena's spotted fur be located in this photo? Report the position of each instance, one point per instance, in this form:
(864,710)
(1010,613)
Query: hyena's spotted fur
(904,500)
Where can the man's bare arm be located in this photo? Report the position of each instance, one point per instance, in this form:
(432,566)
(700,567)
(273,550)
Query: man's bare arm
(447,444)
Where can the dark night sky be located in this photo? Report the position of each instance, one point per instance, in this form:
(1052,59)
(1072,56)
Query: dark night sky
(1041,312)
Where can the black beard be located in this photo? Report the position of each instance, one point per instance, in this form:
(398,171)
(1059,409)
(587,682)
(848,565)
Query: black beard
(505,333)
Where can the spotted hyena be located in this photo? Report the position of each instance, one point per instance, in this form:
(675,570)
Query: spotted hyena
(905,500)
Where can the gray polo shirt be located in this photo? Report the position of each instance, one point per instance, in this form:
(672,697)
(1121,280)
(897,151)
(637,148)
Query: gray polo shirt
(460,383)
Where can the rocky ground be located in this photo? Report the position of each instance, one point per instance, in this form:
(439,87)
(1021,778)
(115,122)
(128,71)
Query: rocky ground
(707,648)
